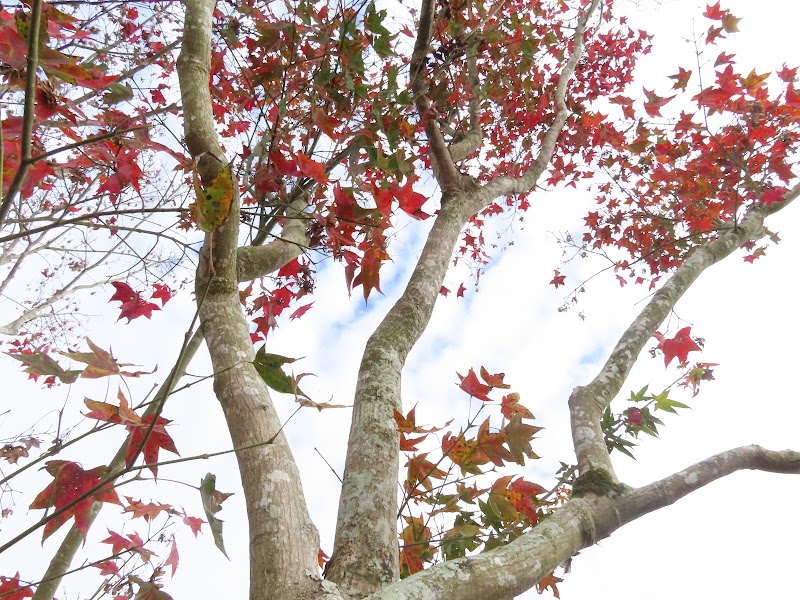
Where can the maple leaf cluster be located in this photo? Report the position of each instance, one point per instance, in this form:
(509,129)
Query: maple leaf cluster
(506,507)
(144,438)
(676,179)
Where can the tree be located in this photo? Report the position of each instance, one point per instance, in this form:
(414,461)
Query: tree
(332,114)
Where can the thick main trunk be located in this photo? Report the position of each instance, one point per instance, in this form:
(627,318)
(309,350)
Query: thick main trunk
(283,540)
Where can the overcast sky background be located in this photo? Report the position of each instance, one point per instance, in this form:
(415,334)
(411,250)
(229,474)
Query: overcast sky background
(735,539)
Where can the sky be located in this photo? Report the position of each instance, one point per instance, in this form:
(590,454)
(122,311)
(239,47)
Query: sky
(735,538)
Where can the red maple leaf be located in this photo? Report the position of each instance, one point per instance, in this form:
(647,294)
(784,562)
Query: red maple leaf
(510,406)
(311,168)
(11,589)
(118,542)
(473,387)
(70,483)
(773,195)
(786,74)
(410,444)
(193,523)
(558,279)
(549,581)
(494,380)
(369,275)
(714,12)
(410,201)
(148,511)
(173,559)
(679,346)
(159,439)
(681,79)
(654,103)
(300,311)
(162,292)
(133,305)
(107,567)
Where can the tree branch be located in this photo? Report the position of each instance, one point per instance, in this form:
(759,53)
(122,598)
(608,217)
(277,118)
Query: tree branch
(283,540)
(444,169)
(667,491)
(28,115)
(587,403)
(502,186)
(471,140)
(511,570)
(365,553)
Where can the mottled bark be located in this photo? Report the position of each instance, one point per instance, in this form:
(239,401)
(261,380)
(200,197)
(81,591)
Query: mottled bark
(365,554)
(515,568)
(587,403)
(283,541)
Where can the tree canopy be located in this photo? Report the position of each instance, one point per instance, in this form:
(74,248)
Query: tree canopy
(256,162)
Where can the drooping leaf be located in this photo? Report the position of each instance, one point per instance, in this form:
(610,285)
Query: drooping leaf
(269,368)
(158,440)
(549,581)
(173,559)
(39,364)
(212,499)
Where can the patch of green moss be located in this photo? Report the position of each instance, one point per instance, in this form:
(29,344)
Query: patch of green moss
(597,482)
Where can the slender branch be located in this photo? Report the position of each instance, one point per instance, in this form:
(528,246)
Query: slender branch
(667,491)
(102,213)
(444,168)
(588,402)
(471,140)
(28,115)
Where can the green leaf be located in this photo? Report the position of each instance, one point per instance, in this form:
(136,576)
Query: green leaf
(639,396)
(663,402)
(212,499)
(269,368)
(460,539)
(118,92)
(503,508)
